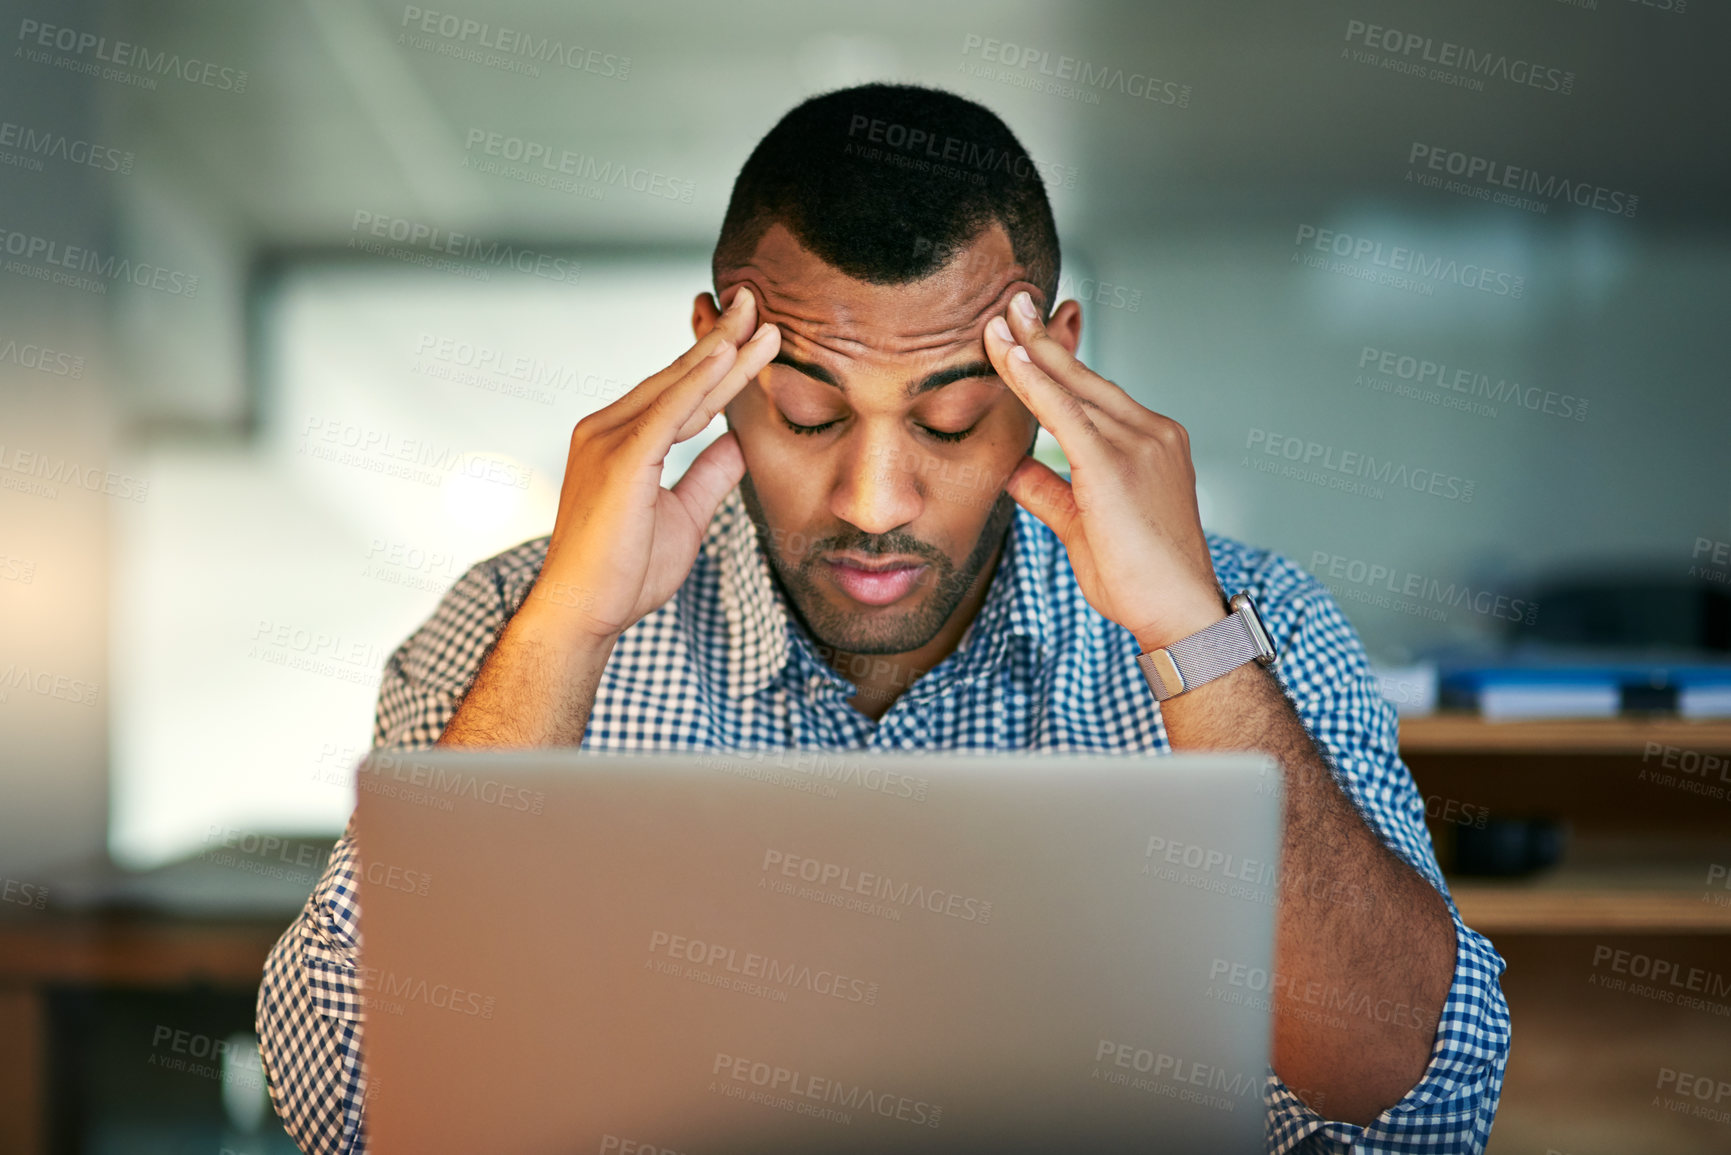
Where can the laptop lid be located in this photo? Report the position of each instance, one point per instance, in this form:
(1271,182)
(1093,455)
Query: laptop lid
(811,951)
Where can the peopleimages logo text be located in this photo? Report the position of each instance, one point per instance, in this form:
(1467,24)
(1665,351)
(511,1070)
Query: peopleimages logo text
(515,42)
(1400,259)
(881,887)
(1460,57)
(1442,375)
(28,355)
(34,34)
(65,471)
(935,146)
(1407,584)
(37,143)
(1498,175)
(784,1081)
(51,254)
(550,158)
(1085,73)
(1357,464)
(463,246)
(751,965)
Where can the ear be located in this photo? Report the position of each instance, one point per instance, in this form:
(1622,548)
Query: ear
(705,312)
(1065,325)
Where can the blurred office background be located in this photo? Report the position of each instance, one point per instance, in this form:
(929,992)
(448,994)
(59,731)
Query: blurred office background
(255,416)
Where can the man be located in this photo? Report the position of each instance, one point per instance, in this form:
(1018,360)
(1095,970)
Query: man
(869,559)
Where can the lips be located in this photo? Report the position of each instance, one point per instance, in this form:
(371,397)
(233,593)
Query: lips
(875,581)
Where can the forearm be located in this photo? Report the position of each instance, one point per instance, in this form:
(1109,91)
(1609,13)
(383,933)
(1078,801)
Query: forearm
(1364,946)
(535,689)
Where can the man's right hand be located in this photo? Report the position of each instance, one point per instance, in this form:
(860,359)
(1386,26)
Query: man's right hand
(622,545)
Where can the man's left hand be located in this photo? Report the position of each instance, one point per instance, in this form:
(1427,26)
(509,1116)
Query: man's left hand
(1128,515)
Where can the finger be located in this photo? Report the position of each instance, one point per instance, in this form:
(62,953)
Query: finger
(734,326)
(1070,418)
(753,356)
(715,471)
(1063,366)
(1039,490)
(737,323)
(689,405)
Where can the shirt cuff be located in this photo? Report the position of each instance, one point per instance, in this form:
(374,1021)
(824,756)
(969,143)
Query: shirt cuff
(1451,1107)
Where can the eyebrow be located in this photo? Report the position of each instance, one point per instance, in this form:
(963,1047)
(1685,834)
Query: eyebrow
(915,388)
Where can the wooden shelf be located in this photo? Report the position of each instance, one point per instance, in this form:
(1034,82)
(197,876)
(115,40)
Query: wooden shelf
(1608,884)
(1506,909)
(132,953)
(1471,734)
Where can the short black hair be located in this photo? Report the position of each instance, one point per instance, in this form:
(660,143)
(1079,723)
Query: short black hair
(886,182)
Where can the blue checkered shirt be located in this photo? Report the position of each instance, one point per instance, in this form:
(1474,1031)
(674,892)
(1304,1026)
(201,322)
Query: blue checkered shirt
(724,664)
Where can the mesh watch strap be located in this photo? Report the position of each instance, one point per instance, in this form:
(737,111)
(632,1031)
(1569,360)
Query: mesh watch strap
(1199,658)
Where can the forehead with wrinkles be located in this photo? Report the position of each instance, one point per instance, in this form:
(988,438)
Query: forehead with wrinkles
(820,308)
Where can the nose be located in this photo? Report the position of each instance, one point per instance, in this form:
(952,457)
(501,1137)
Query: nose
(877,486)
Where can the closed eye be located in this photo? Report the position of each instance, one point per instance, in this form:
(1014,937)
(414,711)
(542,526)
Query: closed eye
(808,430)
(939,434)
(957,435)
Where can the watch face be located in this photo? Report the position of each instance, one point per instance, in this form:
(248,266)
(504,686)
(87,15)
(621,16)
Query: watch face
(1246,607)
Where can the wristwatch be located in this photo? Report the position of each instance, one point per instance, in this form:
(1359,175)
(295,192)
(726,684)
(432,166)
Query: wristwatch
(1207,654)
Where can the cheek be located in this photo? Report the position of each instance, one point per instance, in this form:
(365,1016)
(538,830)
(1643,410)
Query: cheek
(1005,439)
(1022,425)
(781,474)
(748,416)
(960,488)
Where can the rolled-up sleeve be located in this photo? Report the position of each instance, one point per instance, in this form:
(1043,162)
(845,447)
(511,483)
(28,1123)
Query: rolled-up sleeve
(1329,680)
(310,1014)
(1451,1107)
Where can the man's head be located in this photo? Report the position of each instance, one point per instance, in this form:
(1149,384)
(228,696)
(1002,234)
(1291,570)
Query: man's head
(880,228)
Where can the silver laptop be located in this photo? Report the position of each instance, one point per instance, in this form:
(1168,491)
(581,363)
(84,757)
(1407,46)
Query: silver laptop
(795,951)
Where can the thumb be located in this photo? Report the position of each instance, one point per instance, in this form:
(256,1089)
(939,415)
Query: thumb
(715,471)
(1039,490)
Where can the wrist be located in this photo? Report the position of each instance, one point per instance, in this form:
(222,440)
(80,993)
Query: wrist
(1210,653)
(555,620)
(1198,615)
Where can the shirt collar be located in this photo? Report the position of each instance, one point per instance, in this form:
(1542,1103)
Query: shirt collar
(756,636)
(748,647)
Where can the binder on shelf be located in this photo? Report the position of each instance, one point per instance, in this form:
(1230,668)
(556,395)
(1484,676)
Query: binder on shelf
(1554,689)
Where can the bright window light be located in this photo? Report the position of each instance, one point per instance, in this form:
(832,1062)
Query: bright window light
(413,423)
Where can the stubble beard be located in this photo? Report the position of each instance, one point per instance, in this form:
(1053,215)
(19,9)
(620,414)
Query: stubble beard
(877,632)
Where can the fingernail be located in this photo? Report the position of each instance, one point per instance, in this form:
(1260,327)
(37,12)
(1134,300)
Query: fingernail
(1019,353)
(721,347)
(1024,306)
(762,333)
(739,299)
(1000,328)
